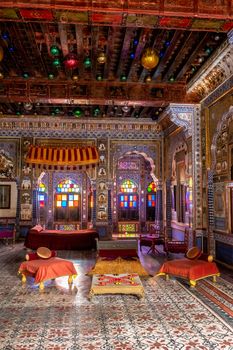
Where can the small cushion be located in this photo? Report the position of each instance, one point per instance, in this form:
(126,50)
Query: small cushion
(44,253)
(37,228)
(34,256)
(193,253)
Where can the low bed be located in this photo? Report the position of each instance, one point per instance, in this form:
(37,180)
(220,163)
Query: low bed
(61,239)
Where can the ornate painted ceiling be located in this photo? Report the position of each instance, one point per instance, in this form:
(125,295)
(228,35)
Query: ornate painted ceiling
(90,58)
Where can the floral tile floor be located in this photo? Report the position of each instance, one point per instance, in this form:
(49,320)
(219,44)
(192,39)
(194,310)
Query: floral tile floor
(170,316)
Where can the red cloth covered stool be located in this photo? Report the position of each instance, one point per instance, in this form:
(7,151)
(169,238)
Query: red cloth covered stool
(193,270)
(46,269)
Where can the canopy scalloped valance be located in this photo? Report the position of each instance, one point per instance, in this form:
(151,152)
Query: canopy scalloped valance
(69,157)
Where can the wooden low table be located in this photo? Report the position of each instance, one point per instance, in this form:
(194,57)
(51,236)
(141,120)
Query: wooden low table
(117,284)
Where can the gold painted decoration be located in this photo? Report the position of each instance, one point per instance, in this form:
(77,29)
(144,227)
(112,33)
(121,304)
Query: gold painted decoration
(149,59)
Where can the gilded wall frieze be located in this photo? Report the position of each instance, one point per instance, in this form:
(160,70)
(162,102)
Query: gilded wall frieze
(56,127)
(214,72)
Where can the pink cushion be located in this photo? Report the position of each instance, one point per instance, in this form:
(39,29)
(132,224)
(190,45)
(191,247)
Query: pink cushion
(36,229)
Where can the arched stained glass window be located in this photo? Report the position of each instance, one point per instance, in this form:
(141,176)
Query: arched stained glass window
(67,194)
(128,201)
(128,186)
(151,194)
(67,201)
(41,194)
(151,201)
(68,186)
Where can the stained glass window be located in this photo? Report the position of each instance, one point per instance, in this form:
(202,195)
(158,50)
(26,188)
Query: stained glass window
(67,186)
(41,195)
(67,201)
(128,186)
(151,187)
(128,201)
(151,201)
(67,194)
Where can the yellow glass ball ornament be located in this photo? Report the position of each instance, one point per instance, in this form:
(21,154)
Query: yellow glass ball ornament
(101,58)
(149,59)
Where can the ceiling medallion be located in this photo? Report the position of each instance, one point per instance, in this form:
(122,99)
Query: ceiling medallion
(149,59)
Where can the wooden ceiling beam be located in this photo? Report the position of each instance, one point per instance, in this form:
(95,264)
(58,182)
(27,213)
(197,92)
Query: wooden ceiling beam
(124,7)
(102,93)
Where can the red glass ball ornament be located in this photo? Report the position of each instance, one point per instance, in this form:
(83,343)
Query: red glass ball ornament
(71,61)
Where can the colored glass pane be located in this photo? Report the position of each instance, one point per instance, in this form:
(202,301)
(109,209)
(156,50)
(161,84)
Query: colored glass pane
(42,187)
(63,204)
(128,186)
(71,203)
(68,186)
(58,204)
(152,187)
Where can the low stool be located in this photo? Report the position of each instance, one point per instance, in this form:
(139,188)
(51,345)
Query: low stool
(47,269)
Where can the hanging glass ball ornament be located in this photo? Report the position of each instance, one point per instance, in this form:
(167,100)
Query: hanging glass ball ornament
(27,106)
(123,77)
(149,59)
(54,50)
(75,77)
(77,112)
(148,79)
(26,75)
(1,75)
(71,61)
(5,35)
(99,77)
(126,109)
(87,62)
(101,58)
(51,76)
(96,111)
(56,62)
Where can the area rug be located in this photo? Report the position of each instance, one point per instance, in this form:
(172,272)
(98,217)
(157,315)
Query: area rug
(170,316)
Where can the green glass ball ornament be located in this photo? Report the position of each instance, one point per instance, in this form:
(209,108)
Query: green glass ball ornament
(54,50)
(87,62)
(96,111)
(25,75)
(123,77)
(99,77)
(56,62)
(77,112)
(18,113)
(51,76)
(56,110)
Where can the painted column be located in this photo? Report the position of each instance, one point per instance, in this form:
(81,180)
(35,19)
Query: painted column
(168,208)
(159,207)
(210,200)
(189,117)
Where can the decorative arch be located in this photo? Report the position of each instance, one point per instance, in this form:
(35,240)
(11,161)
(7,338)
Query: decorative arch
(222,126)
(149,159)
(182,146)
